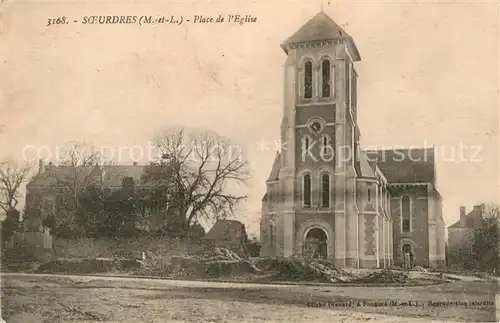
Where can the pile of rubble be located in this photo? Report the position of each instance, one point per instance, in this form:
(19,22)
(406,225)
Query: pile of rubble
(421,269)
(384,277)
(89,266)
(296,269)
(211,263)
(217,254)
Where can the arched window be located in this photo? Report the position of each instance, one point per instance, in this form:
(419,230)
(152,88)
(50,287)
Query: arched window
(308,80)
(306,190)
(405,214)
(325,190)
(325,78)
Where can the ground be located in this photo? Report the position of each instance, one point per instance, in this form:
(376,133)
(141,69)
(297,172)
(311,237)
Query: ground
(57,298)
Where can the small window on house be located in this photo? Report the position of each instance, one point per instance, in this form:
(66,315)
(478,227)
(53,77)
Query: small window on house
(325,190)
(308,80)
(307,190)
(325,73)
(405,210)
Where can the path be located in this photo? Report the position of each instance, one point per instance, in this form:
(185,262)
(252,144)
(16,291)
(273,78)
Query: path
(140,300)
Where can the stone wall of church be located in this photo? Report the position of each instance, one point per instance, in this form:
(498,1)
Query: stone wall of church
(369,258)
(268,236)
(279,242)
(375,246)
(303,114)
(440,235)
(313,158)
(380,241)
(441,248)
(269,205)
(418,237)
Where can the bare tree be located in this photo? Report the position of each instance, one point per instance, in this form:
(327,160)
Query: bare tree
(12,176)
(199,169)
(491,211)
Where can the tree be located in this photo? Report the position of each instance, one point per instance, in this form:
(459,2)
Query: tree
(80,168)
(106,213)
(12,176)
(120,211)
(91,215)
(194,174)
(482,252)
(484,243)
(10,225)
(155,194)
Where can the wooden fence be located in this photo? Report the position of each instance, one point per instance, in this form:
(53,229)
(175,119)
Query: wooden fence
(36,239)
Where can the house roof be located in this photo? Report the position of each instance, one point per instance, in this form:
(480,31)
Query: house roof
(414,165)
(113,174)
(321,27)
(472,220)
(364,168)
(122,171)
(222,228)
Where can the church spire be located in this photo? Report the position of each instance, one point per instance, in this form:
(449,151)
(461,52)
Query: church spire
(321,28)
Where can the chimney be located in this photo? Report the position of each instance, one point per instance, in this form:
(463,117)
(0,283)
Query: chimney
(462,216)
(41,166)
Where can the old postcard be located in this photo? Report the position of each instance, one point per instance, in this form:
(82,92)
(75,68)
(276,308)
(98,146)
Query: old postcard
(249,161)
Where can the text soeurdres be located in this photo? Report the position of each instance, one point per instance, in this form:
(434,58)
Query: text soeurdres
(153,19)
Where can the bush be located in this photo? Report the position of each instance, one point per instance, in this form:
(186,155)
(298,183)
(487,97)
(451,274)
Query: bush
(10,225)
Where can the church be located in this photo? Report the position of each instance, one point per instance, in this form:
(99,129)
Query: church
(326,197)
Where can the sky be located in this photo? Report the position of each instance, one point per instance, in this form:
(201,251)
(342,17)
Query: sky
(429,75)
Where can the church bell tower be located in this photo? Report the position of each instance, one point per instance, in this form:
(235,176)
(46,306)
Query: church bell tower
(311,188)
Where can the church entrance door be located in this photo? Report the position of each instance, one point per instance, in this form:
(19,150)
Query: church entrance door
(315,244)
(408,256)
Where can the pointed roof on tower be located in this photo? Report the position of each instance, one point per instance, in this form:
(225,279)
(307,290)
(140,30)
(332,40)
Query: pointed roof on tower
(318,28)
(275,170)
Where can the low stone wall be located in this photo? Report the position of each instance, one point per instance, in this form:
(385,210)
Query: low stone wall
(153,247)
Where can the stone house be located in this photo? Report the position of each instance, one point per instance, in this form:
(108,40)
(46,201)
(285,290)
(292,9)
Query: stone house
(53,185)
(460,233)
(228,234)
